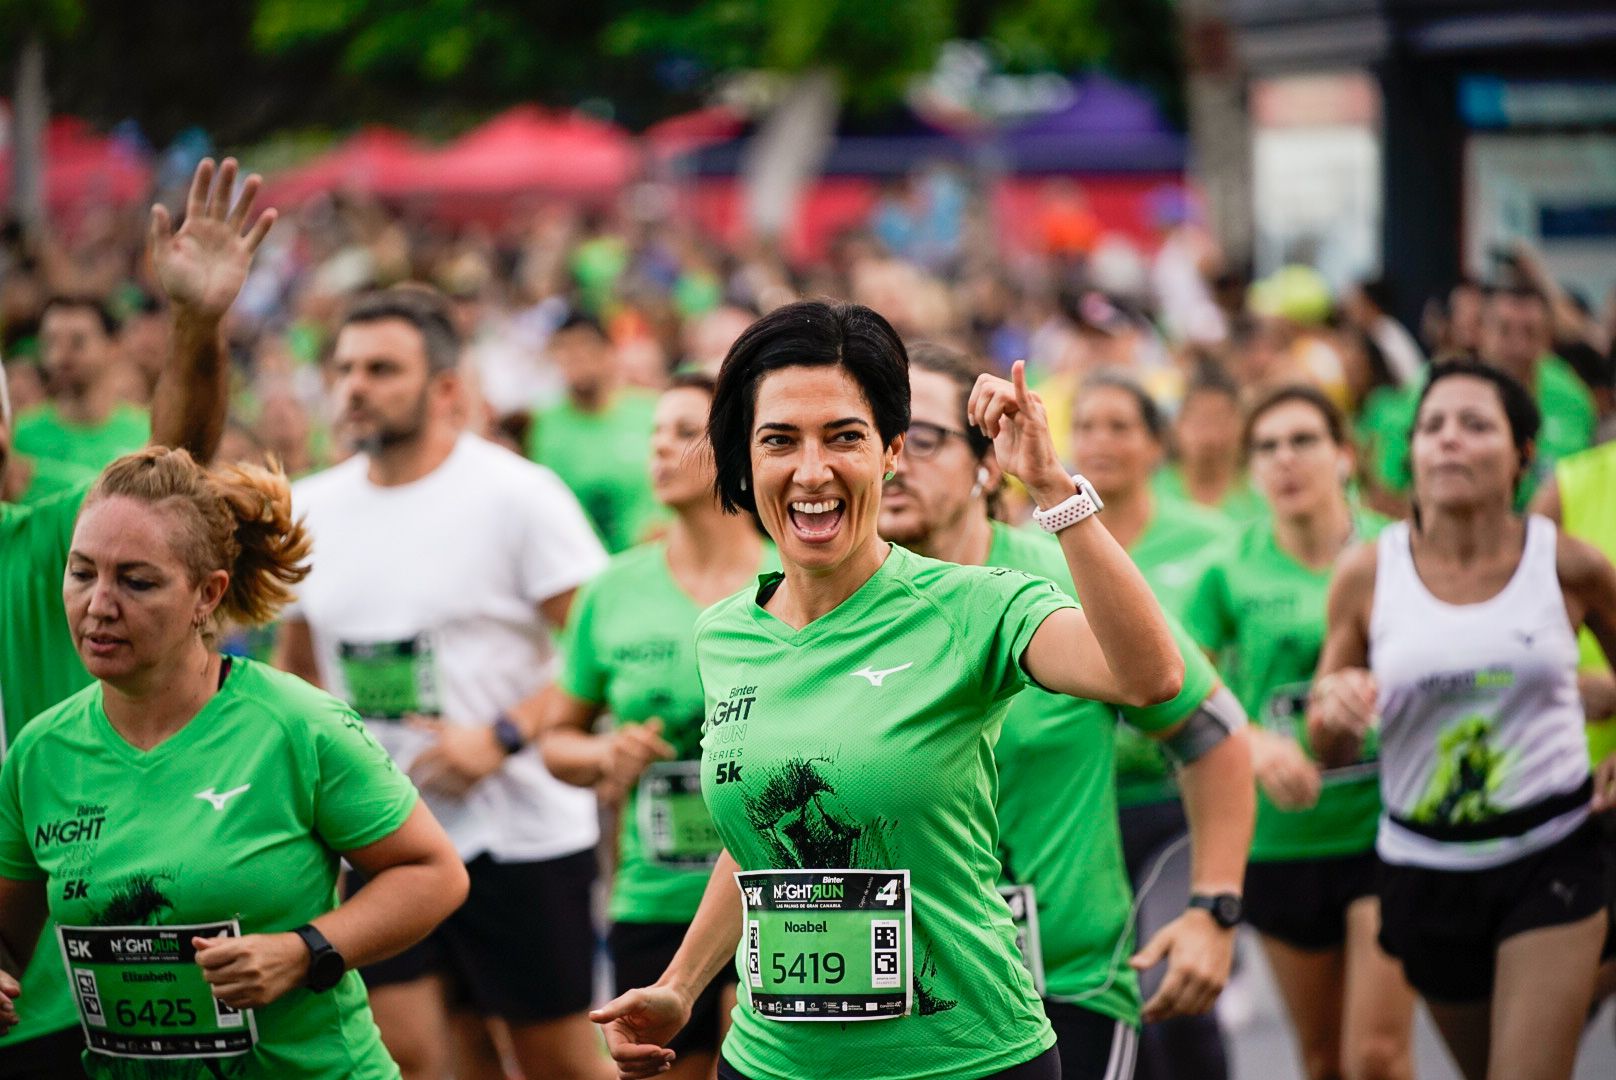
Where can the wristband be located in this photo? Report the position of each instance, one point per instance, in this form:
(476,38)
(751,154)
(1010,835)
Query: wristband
(508,735)
(1084,502)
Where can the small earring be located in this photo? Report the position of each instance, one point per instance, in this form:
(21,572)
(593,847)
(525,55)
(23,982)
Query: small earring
(743,483)
(890,474)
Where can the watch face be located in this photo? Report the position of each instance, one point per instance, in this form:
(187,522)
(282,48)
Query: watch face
(326,970)
(1227,910)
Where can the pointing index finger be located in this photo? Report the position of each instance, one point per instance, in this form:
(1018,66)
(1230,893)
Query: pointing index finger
(1018,376)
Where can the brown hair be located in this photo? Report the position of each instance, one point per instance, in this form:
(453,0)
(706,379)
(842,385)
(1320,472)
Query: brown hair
(236,518)
(1303,393)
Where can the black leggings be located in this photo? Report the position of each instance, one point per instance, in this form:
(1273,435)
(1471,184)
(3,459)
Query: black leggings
(1186,1045)
(1045,1066)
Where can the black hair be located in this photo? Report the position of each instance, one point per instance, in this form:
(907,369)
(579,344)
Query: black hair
(963,371)
(809,333)
(83,302)
(1520,410)
(582,320)
(1304,393)
(424,308)
(1150,413)
(1378,291)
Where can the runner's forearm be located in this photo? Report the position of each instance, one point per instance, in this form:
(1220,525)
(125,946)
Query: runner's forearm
(1123,613)
(22,917)
(713,936)
(1220,803)
(193,390)
(573,756)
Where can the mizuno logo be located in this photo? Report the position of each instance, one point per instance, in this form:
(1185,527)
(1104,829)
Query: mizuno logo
(878,677)
(218,800)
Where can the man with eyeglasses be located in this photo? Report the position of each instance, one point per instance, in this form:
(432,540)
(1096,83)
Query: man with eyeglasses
(1064,875)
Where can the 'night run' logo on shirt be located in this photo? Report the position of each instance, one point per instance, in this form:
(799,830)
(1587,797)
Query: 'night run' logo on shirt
(83,827)
(647,652)
(737,707)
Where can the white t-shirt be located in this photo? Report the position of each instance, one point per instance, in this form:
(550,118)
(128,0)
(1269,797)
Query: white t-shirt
(424,598)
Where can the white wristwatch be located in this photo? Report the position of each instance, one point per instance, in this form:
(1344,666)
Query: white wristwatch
(1085,502)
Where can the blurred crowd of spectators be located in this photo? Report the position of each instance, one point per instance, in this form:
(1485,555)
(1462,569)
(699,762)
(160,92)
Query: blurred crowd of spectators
(566,312)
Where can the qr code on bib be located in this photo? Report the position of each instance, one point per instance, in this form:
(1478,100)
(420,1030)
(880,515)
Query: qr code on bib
(754,966)
(89,996)
(884,973)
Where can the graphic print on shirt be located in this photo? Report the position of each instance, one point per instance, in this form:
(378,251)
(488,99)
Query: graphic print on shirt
(1468,771)
(805,826)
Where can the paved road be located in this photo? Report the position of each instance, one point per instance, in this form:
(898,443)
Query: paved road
(1262,1048)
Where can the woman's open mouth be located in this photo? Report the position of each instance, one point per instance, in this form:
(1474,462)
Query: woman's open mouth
(817,521)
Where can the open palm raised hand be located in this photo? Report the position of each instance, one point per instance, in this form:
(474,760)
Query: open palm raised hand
(204,264)
(1014,418)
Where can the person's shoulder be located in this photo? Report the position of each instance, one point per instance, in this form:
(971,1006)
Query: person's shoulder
(1355,569)
(631,567)
(36,417)
(728,614)
(1578,563)
(500,468)
(1559,382)
(336,480)
(68,717)
(949,587)
(1368,523)
(293,704)
(1031,550)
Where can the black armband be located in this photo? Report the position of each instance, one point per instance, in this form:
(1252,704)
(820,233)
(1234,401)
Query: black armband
(1214,720)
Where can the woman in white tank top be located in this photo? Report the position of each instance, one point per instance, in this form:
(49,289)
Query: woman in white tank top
(1455,635)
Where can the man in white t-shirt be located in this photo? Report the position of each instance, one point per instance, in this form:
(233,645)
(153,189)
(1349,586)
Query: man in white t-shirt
(442,563)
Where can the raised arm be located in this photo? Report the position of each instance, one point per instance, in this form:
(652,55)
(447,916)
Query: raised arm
(202,268)
(1118,647)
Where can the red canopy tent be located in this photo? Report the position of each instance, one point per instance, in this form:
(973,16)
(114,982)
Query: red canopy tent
(83,168)
(374,157)
(524,151)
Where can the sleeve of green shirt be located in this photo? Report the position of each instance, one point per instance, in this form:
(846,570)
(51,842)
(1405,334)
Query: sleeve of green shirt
(1199,680)
(16,857)
(581,673)
(361,796)
(1020,603)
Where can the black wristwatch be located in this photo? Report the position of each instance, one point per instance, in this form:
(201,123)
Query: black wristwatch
(508,735)
(1226,909)
(326,965)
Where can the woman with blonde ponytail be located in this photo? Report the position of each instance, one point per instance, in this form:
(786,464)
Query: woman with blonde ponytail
(183,818)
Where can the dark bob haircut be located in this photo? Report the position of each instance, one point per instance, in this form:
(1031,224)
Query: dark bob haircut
(1298,392)
(810,333)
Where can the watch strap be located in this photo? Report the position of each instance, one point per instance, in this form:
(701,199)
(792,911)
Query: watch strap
(326,965)
(1084,502)
(508,734)
(1226,909)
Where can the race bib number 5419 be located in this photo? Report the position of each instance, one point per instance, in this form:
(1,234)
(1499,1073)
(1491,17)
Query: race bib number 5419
(827,944)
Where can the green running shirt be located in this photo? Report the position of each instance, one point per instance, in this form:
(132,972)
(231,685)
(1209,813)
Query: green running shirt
(1058,808)
(602,458)
(42,433)
(38,668)
(1178,544)
(1240,504)
(124,837)
(865,740)
(629,650)
(1266,611)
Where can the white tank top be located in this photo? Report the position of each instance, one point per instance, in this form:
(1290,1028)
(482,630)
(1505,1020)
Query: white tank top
(1479,710)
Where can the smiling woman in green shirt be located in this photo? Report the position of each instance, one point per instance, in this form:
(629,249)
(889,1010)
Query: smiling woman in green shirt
(183,818)
(630,651)
(852,704)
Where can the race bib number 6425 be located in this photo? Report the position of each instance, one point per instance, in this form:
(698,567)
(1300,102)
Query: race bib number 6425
(827,944)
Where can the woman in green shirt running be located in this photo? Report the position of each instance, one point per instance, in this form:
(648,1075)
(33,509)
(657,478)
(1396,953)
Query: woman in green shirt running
(629,651)
(1310,886)
(183,818)
(1118,440)
(852,705)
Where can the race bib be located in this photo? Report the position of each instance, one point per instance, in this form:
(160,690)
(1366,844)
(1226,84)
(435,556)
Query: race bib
(141,994)
(827,944)
(388,680)
(1285,713)
(1023,902)
(675,827)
